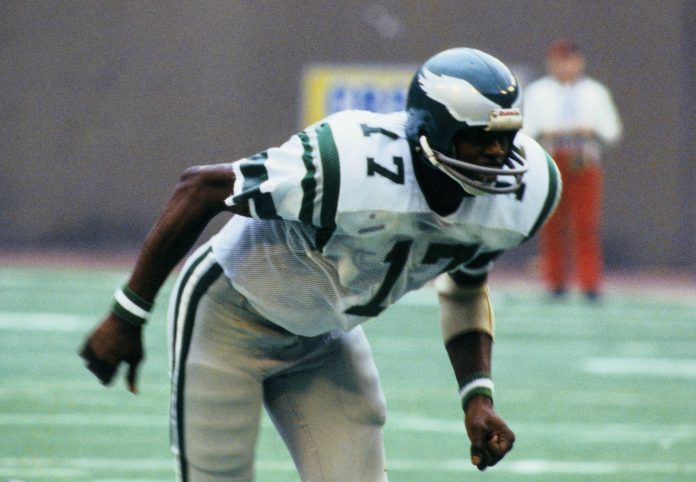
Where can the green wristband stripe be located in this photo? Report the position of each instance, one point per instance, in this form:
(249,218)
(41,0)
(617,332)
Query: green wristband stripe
(135,298)
(487,392)
(127,316)
(128,304)
(130,307)
(479,386)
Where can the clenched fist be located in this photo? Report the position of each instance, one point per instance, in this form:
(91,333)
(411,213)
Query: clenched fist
(490,436)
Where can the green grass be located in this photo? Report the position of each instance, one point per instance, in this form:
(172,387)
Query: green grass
(594,393)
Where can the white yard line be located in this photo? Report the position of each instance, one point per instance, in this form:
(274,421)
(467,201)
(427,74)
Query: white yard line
(21,321)
(655,367)
(583,432)
(81,420)
(80,467)
(587,432)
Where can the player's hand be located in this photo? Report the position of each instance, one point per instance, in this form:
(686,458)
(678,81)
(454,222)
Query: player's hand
(114,341)
(490,436)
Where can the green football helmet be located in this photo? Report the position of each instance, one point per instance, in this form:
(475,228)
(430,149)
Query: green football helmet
(458,89)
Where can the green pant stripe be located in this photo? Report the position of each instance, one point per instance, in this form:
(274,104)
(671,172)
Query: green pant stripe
(199,289)
(179,295)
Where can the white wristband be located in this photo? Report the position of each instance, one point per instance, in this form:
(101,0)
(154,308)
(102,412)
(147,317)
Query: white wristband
(130,307)
(477,386)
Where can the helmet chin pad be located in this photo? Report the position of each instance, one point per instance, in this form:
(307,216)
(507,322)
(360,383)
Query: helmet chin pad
(458,169)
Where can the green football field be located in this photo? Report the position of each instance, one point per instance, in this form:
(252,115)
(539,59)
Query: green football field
(594,392)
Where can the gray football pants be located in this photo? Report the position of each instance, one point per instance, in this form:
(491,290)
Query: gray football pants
(322,393)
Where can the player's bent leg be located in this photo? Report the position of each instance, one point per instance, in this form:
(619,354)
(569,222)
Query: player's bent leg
(587,229)
(331,413)
(552,253)
(220,425)
(552,238)
(216,397)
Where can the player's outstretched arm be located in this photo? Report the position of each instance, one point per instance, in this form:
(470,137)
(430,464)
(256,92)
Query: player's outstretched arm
(490,436)
(468,327)
(198,197)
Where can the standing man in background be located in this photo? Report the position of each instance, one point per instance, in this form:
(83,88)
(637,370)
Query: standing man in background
(574,118)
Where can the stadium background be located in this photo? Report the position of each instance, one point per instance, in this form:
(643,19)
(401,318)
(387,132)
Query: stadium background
(105,103)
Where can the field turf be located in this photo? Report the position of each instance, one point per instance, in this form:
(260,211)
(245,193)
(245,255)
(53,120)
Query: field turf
(594,392)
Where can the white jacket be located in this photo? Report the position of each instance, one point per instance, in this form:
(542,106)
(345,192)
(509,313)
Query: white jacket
(551,106)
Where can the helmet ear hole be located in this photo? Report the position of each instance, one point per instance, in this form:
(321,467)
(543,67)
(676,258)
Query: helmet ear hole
(461,135)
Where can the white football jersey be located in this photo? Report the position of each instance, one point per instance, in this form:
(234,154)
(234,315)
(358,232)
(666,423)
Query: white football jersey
(340,228)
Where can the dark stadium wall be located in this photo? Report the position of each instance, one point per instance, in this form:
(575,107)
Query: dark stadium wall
(104,104)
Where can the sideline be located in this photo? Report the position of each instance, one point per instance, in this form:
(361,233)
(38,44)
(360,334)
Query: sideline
(667,282)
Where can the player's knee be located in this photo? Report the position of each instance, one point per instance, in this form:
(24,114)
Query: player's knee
(375,410)
(220,425)
(369,409)
(208,463)
(378,412)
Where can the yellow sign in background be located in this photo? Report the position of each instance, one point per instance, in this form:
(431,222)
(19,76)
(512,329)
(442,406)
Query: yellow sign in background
(331,88)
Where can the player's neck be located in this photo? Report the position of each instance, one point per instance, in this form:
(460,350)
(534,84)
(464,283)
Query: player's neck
(441,192)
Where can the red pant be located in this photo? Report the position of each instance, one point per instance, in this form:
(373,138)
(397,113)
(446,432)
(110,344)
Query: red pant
(570,241)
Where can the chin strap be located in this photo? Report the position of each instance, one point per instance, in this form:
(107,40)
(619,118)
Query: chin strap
(453,168)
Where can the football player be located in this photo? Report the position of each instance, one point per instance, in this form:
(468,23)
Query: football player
(329,229)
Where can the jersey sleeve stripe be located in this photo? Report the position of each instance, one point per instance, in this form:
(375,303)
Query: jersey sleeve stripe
(309,181)
(552,197)
(328,153)
(253,174)
(254,171)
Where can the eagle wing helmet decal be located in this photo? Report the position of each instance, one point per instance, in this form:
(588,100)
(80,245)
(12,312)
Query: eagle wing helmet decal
(457,95)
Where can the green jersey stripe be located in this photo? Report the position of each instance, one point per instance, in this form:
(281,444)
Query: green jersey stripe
(330,163)
(253,177)
(309,181)
(551,197)
(254,171)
